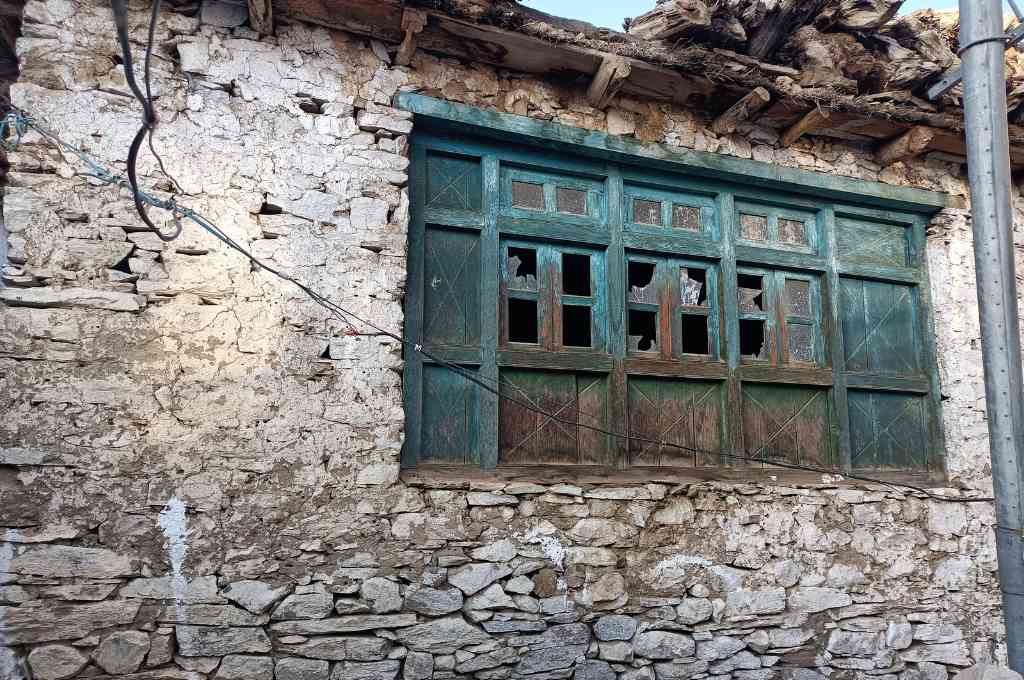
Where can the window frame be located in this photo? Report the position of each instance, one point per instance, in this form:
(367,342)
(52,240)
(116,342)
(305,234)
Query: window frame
(717,246)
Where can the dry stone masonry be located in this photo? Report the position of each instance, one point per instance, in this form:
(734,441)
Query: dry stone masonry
(199,471)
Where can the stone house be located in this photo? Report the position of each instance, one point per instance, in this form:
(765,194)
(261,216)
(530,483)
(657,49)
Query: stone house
(663,291)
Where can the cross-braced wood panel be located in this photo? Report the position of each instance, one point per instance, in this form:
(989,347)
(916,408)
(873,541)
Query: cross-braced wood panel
(879,327)
(452,288)
(687,414)
(888,430)
(453,183)
(786,423)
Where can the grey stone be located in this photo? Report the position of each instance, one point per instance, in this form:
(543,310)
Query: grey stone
(660,644)
(951,653)
(720,647)
(741,660)
(694,610)
(899,635)
(55,662)
(418,666)
(932,671)
(615,627)
(618,651)
(122,652)
(256,596)
(937,632)
(812,600)
(442,636)
(209,615)
(301,669)
(521,585)
(987,671)
(646,673)
(70,298)
(499,551)
(375,670)
(161,650)
(201,590)
(679,510)
(549,659)
(849,643)
(242,667)
(679,671)
(383,595)
(487,498)
(208,641)
(556,636)
(593,670)
(499,657)
(492,597)
(598,532)
(343,648)
(433,602)
(344,624)
(515,626)
(755,602)
(473,578)
(63,560)
(304,606)
(224,14)
(787,573)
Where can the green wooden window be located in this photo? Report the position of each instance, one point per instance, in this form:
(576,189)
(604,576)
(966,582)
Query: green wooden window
(705,318)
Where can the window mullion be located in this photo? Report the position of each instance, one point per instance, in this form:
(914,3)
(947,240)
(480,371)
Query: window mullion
(732,412)
(833,331)
(616,290)
(489,303)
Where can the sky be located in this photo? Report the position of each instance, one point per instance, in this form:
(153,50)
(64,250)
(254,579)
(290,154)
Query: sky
(609,13)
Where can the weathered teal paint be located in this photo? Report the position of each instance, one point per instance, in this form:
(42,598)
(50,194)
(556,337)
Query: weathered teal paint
(866,311)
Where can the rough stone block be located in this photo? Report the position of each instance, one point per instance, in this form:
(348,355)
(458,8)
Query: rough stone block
(442,636)
(122,652)
(55,662)
(301,669)
(201,590)
(207,641)
(378,670)
(255,596)
(244,667)
(659,644)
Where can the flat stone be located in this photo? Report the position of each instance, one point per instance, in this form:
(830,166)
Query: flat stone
(209,615)
(473,578)
(524,488)
(598,532)
(69,561)
(442,636)
(418,666)
(304,606)
(376,670)
(243,667)
(849,643)
(521,585)
(301,669)
(594,670)
(933,633)
(755,602)
(951,653)
(591,557)
(432,601)
(500,657)
(255,596)
(39,621)
(208,641)
(680,671)
(811,600)
(71,298)
(549,659)
(122,652)
(618,651)
(514,626)
(720,647)
(344,624)
(694,610)
(488,498)
(499,551)
(987,671)
(202,590)
(491,597)
(646,673)
(615,627)
(660,644)
(382,594)
(678,511)
(55,662)
(343,648)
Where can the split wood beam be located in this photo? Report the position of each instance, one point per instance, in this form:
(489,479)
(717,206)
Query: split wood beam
(261,16)
(610,76)
(812,120)
(910,144)
(413,22)
(754,101)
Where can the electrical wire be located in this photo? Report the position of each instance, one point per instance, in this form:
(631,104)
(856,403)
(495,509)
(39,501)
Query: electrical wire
(17,122)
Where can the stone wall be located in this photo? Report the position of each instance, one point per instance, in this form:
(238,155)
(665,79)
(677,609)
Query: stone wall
(198,467)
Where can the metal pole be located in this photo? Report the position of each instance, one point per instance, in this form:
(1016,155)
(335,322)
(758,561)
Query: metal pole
(988,156)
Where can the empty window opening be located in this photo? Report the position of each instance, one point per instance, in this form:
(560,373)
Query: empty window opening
(522,321)
(686,217)
(576,274)
(750,293)
(801,342)
(641,283)
(522,268)
(647,212)
(643,331)
(573,201)
(693,289)
(528,195)
(752,340)
(754,227)
(575,326)
(798,297)
(792,231)
(695,334)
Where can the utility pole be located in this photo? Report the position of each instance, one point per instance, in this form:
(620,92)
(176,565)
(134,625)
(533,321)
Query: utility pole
(982,44)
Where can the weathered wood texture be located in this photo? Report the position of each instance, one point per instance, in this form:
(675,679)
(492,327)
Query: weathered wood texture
(610,77)
(750,104)
(910,144)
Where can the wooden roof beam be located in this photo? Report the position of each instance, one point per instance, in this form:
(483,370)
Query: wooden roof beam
(261,16)
(812,120)
(751,103)
(413,22)
(610,77)
(906,146)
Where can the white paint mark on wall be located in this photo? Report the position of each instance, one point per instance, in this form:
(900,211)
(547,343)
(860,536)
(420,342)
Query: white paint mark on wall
(10,668)
(549,545)
(676,567)
(174,523)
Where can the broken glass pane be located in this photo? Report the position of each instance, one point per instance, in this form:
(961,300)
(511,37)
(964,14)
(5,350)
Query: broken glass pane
(752,340)
(641,283)
(522,268)
(691,287)
(792,231)
(686,217)
(643,331)
(754,227)
(571,201)
(646,212)
(801,342)
(798,297)
(528,195)
(749,293)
